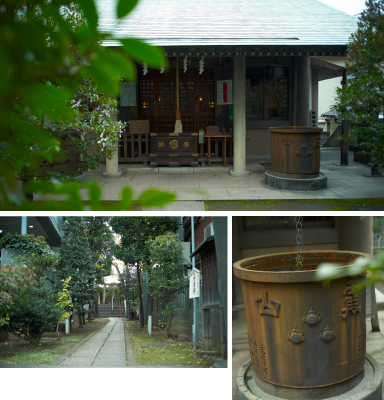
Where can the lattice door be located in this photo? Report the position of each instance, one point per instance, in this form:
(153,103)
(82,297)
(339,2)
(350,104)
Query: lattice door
(146,108)
(166,101)
(206,116)
(188,99)
(157,99)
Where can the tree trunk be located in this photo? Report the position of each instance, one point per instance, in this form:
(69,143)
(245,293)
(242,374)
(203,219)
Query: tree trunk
(89,308)
(83,316)
(80,320)
(140,299)
(167,326)
(96,299)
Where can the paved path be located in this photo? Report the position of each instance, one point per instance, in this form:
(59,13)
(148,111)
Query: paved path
(110,347)
(194,185)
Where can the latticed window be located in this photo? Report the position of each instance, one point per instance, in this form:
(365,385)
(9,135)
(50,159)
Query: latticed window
(266,98)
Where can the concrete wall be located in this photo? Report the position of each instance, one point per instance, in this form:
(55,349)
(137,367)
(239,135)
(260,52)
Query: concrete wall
(258,143)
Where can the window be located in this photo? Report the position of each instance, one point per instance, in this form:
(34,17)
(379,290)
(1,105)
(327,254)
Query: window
(266,97)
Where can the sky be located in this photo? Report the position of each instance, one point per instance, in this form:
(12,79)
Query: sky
(351,7)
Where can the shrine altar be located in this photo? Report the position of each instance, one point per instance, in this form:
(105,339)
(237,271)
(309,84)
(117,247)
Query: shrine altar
(174,149)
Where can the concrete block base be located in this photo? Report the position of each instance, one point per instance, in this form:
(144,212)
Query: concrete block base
(369,388)
(238,173)
(301,185)
(112,176)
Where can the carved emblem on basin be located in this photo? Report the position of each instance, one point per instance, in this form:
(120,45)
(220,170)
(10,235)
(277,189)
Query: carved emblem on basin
(296,337)
(312,318)
(327,335)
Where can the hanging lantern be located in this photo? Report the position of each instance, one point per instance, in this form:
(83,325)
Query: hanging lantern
(276,71)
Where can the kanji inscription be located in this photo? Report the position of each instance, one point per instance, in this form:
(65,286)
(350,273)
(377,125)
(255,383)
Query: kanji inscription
(263,359)
(351,300)
(265,308)
(186,144)
(161,144)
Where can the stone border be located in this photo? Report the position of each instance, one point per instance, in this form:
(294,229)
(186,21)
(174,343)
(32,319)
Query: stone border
(300,185)
(69,352)
(372,392)
(131,362)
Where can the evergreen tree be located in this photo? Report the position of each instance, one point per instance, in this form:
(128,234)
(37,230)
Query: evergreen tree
(76,262)
(361,100)
(167,276)
(127,284)
(133,249)
(101,243)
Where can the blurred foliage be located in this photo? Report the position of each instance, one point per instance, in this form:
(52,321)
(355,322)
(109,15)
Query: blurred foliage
(371,269)
(40,72)
(361,100)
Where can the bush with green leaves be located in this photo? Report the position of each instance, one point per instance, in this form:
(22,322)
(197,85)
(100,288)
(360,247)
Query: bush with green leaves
(34,311)
(167,276)
(31,306)
(43,59)
(25,243)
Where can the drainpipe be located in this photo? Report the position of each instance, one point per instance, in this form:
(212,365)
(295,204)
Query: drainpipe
(24,225)
(195,299)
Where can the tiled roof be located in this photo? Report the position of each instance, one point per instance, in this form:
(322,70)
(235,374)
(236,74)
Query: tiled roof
(230,22)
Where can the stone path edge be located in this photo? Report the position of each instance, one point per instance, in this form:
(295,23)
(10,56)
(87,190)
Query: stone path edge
(69,352)
(131,362)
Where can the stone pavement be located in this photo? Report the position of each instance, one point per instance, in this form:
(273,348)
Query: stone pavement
(194,185)
(215,182)
(109,347)
(240,349)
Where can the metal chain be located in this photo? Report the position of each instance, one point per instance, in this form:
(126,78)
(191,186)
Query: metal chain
(299,243)
(294,91)
(177,84)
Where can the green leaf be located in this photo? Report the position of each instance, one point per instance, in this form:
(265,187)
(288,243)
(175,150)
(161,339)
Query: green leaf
(90,11)
(155,198)
(126,197)
(142,52)
(124,7)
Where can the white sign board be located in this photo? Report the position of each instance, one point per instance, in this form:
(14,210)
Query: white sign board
(128,94)
(194,284)
(224,92)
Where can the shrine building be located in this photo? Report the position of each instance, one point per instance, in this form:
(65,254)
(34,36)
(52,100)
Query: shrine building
(237,67)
